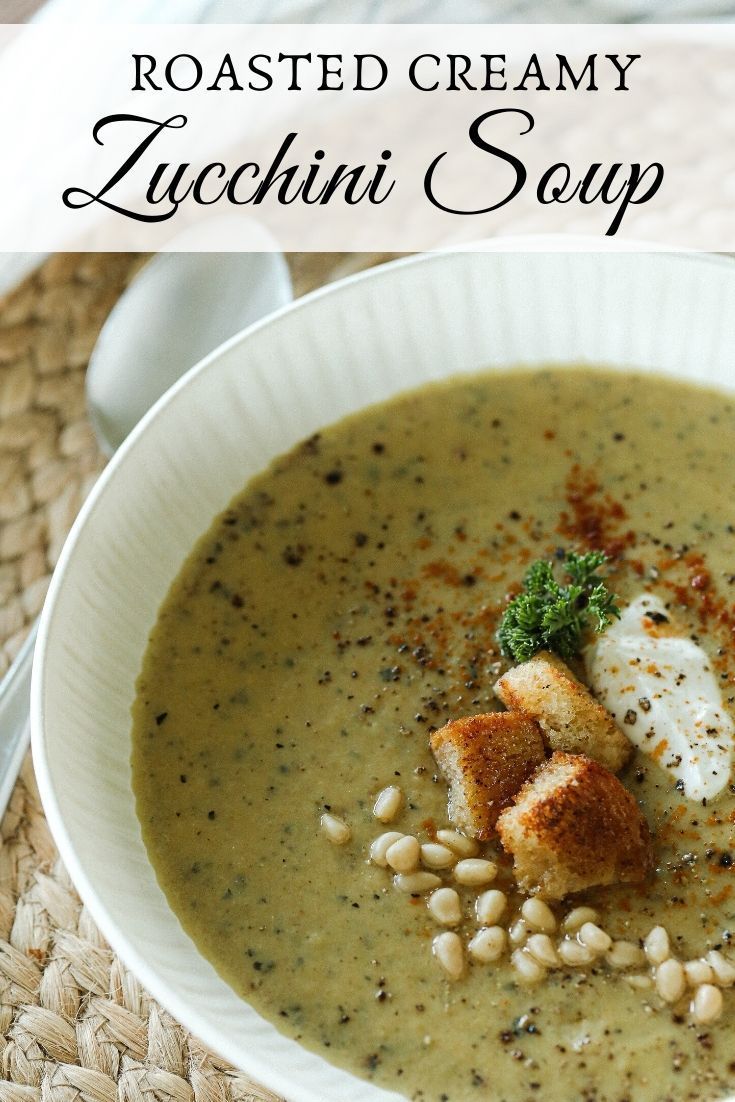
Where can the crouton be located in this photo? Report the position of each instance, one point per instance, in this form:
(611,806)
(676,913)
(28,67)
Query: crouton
(570,717)
(575,826)
(486,759)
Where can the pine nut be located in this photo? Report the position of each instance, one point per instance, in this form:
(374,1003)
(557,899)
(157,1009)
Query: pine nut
(444,906)
(542,949)
(381,845)
(594,938)
(388,803)
(576,919)
(436,856)
(625,954)
(657,946)
(723,969)
(707,1003)
(639,983)
(670,980)
(335,829)
(458,843)
(518,932)
(488,944)
(698,972)
(449,952)
(475,871)
(539,915)
(575,954)
(490,907)
(403,855)
(416,883)
(528,968)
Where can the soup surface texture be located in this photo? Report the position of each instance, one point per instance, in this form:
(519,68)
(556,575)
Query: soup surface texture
(342,608)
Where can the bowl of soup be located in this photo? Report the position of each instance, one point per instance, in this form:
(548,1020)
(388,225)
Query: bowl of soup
(292,575)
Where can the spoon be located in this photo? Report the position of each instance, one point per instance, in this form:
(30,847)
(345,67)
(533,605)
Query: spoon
(178,308)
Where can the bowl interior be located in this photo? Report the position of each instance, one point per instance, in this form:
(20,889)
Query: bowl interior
(326,356)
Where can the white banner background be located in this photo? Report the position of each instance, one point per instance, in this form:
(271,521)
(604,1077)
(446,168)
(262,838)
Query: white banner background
(57,82)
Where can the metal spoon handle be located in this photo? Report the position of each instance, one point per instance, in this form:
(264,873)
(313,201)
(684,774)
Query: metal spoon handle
(15,725)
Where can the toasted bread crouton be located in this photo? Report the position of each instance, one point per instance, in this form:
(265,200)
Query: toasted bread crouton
(486,759)
(570,717)
(575,826)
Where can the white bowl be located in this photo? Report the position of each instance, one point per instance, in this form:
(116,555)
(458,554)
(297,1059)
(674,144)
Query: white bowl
(324,356)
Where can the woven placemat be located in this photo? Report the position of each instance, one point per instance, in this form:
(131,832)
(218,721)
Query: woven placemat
(75,1024)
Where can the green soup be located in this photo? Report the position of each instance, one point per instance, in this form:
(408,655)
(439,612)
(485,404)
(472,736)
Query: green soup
(344,607)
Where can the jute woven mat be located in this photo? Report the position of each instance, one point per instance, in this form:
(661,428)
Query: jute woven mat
(75,1025)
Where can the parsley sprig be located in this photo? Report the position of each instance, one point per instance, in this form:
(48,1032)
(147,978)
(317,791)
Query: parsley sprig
(550,616)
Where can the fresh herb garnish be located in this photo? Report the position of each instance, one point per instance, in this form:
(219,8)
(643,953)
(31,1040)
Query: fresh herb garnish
(550,616)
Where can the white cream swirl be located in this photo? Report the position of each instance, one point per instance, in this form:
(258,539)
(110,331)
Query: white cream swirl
(660,688)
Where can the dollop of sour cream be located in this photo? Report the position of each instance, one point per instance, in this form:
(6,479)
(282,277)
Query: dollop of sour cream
(661,690)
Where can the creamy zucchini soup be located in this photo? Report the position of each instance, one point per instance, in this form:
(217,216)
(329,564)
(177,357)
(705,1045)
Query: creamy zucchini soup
(432,742)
